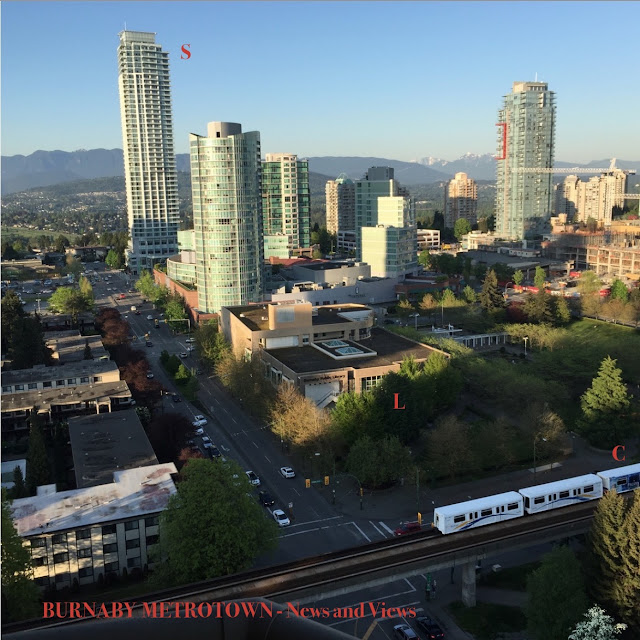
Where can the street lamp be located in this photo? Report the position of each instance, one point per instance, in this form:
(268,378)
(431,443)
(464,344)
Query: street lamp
(535,440)
(525,345)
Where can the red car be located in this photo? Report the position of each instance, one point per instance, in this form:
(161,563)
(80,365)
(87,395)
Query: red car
(122,296)
(407,528)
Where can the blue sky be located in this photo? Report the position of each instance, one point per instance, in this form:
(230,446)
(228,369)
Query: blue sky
(400,80)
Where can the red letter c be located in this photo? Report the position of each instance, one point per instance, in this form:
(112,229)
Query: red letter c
(614,453)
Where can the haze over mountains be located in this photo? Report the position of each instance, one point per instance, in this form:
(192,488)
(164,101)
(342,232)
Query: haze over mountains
(44,168)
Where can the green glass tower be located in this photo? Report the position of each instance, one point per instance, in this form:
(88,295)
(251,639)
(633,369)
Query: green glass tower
(227,216)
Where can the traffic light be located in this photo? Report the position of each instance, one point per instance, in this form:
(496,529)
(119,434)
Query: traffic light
(307,483)
(419,518)
(361,492)
(326,481)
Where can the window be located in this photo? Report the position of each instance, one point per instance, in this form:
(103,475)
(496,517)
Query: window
(19,387)
(71,381)
(108,529)
(46,385)
(83,534)
(59,383)
(133,544)
(62,577)
(564,494)
(86,572)
(151,521)
(60,538)
(84,553)
(588,488)
(97,378)
(130,526)
(152,540)
(133,562)
(33,385)
(84,380)
(60,557)
(512,507)
(42,582)
(6,389)
(38,542)
(459,518)
(486,512)
(110,548)
(111,566)
(39,562)
(538,500)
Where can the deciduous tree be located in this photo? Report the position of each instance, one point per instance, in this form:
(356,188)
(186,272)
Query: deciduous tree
(71,301)
(518,277)
(539,278)
(461,228)
(211,343)
(378,463)
(428,304)
(619,291)
(469,295)
(404,308)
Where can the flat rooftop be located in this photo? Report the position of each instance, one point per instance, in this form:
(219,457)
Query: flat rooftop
(325,266)
(389,348)
(69,346)
(134,492)
(104,443)
(40,373)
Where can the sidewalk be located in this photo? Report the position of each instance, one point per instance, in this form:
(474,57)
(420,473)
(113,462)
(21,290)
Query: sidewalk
(399,503)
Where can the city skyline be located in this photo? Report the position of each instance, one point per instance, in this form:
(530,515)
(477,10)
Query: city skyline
(337,90)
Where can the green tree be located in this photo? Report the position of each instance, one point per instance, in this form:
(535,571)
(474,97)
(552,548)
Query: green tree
(518,277)
(469,294)
(356,415)
(199,532)
(537,307)
(86,289)
(38,471)
(61,242)
(210,343)
(589,283)
(557,596)
(604,406)
(619,291)
(446,263)
(562,312)
(174,308)
(404,308)
(450,435)
(428,304)
(424,259)
(539,278)
(114,259)
(20,595)
(146,285)
(27,347)
(378,463)
(74,267)
(12,315)
(461,228)
(592,224)
(182,374)
(19,489)
(71,301)
(490,297)
(448,299)
(597,626)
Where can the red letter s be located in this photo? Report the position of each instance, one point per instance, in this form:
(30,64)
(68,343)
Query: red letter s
(186,50)
(614,453)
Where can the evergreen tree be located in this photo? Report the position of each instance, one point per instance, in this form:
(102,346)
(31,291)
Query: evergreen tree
(469,295)
(518,277)
(597,626)
(38,472)
(604,405)
(537,307)
(490,296)
(20,595)
(562,312)
(19,490)
(539,278)
(557,597)
(607,548)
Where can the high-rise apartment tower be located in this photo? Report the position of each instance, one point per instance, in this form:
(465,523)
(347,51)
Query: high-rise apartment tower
(227,216)
(461,200)
(524,199)
(341,204)
(286,206)
(149,158)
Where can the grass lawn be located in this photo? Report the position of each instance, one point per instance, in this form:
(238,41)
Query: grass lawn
(486,620)
(514,578)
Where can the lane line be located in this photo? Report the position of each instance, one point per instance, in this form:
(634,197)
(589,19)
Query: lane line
(364,535)
(269,461)
(297,492)
(254,444)
(314,521)
(297,533)
(382,524)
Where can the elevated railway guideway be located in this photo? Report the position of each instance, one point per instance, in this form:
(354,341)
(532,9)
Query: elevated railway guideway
(310,580)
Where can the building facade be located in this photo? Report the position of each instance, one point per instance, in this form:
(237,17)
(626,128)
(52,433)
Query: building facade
(526,141)
(428,239)
(227,216)
(149,157)
(461,200)
(286,203)
(341,205)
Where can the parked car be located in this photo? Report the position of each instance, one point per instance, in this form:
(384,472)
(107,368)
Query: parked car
(184,354)
(149,375)
(190,340)
(404,632)
(149,343)
(199,423)
(199,431)
(149,317)
(432,629)
(281,517)
(206,439)
(200,417)
(214,452)
(287,472)
(407,528)
(265,499)
(253,478)
(176,398)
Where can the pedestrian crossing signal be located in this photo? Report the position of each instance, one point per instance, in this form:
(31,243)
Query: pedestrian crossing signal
(326,481)
(307,483)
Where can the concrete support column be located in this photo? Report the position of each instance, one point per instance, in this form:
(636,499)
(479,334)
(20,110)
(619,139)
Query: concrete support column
(469,584)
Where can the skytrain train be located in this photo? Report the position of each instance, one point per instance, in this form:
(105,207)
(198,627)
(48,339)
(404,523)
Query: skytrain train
(543,497)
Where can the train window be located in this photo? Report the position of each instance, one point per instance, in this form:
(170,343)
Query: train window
(538,500)
(621,481)
(485,512)
(513,506)
(475,515)
(589,488)
(502,509)
(564,494)
(459,518)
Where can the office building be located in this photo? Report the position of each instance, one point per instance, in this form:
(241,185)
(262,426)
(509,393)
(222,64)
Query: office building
(341,205)
(227,216)
(286,206)
(147,143)
(524,199)
(460,200)
(428,239)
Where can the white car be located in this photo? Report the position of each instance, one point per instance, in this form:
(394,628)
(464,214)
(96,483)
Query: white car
(206,439)
(149,317)
(253,478)
(199,431)
(199,417)
(190,340)
(199,423)
(150,376)
(191,348)
(281,517)
(287,472)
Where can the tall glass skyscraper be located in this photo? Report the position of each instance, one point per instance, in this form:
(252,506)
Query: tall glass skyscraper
(524,200)
(227,216)
(149,157)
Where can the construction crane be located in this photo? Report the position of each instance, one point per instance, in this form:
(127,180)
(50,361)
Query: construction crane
(570,170)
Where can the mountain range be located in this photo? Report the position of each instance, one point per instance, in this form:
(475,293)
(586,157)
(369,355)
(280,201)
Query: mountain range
(44,168)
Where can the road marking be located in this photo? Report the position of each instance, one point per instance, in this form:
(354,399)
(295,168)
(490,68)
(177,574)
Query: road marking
(254,444)
(297,492)
(382,524)
(268,459)
(297,533)
(364,535)
(314,521)
(376,528)
(412,587)
(234,419)
(224,448)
